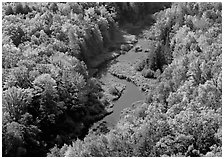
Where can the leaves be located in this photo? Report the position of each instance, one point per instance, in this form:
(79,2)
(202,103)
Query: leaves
(182,117)
(49,97)
(16,101)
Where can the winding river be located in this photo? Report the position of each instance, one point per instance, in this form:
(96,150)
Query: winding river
(130,95)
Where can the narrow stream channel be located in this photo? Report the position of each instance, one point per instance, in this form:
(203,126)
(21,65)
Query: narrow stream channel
(130,95)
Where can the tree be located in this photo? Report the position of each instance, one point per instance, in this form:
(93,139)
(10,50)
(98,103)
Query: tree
(16,102)
(13,140)
(18,8)
(45,88)
(16,34)
(8,10)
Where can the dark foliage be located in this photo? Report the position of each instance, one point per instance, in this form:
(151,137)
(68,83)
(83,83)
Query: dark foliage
(182,115)
(148,73)
(49,98)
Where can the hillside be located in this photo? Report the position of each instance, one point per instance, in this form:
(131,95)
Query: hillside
(62,71)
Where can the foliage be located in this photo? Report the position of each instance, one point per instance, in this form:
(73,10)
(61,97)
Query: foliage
(113,90)
(50,101)
(16,101)
(135,11)
(148,73)
(140,65)
(182,114)
(48,96)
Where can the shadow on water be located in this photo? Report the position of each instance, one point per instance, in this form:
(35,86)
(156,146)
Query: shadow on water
(137,28)
(144,20)
(130,95)
(103,68)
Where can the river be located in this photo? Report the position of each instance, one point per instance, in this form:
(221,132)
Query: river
(131,93)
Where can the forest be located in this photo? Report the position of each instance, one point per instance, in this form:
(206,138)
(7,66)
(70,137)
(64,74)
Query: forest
(51,96)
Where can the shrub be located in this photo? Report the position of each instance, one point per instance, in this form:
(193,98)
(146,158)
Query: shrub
(16,33)
(14,134)
(149,98)
(104,28)
(148,73)
(8,10)
(157,73)
(140,65)
(54,7)
(26,9)
(18,8)
(113,90)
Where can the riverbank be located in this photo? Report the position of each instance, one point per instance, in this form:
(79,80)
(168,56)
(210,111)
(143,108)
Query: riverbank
(122,84)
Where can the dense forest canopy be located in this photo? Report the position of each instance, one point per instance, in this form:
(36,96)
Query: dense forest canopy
(50,100)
